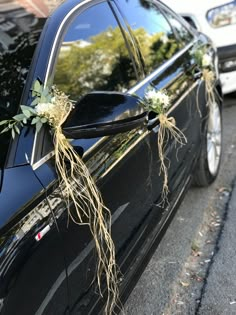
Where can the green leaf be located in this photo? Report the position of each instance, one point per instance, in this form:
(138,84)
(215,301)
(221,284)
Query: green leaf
(19,117)
(38,126)
(13,133)
(27,113)
(43,99)
(35,94)
(5,129)
(45,93)
(28,108)
(25,121)
(3,122)
(35,120)
(17,129)
(35,101)
(44,120)
(37,86)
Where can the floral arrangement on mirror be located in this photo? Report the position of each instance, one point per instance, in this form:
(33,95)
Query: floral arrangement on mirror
(159,102)
(52,107)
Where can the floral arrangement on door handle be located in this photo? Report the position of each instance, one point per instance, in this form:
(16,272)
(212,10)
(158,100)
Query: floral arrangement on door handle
(205,63)
(52,107)
(159,102)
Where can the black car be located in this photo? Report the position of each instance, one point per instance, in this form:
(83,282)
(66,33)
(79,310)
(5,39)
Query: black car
(94,48)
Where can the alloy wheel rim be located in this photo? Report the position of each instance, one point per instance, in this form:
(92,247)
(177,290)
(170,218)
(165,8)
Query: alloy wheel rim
(214,138)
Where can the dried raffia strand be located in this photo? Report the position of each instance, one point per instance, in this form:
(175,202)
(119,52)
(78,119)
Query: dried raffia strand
(80,188)
(167,130)
(208,77)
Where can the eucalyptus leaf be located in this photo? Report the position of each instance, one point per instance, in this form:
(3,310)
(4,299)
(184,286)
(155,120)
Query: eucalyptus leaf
(17,129)
(44,120)
(19,117)
(13,133)
(38,126)
(3,122)
(37,86)
(5,129)
(28,108)
(35,120)
(27,113)
(46,91)
(25,121)
(35,101)
(43,99)
(35,94)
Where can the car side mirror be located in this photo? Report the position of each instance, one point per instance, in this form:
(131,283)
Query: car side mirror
(100,114)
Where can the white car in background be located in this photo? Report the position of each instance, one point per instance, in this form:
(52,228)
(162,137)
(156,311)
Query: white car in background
(217,19)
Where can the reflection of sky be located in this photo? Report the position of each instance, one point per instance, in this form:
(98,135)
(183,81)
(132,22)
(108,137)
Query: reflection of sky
(99,17)
(81,29)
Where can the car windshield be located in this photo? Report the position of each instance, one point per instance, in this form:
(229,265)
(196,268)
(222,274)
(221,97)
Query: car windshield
(21,23)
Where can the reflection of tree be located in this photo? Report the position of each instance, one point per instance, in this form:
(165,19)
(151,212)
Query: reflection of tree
(104,64)
(156,48)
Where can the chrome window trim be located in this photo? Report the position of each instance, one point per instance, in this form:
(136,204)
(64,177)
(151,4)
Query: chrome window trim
(45,158)
(161,68)
(193,18)
(58,35)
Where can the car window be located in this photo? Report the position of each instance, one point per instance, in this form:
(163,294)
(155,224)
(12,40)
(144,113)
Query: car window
(152,31)
(93,55)
(183,33)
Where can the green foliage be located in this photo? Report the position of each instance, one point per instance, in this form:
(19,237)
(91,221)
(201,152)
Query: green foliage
(28,114)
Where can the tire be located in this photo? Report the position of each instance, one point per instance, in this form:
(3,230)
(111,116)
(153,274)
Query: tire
(208,164)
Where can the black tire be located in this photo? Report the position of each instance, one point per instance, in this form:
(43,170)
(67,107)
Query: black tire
(205,174)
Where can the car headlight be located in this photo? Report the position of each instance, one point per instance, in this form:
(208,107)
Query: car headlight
(222,15)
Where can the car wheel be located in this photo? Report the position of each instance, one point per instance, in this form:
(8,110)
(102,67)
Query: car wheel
(210,156)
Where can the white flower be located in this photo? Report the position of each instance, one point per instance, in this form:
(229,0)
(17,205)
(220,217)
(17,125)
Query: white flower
(158,98)
(151,95)
(43,109)
(164,99)
(206,60)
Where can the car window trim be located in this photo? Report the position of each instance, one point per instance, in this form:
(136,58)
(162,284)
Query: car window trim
(179,18)
(153,74)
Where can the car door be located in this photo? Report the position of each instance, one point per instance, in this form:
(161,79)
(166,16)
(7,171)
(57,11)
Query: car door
(166,51)
(31,251)
(92,54)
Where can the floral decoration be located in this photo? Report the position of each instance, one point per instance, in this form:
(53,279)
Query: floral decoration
(205,62)
(52,107)
(160,102)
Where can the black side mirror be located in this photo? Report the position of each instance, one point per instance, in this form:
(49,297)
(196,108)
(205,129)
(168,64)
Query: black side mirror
(100,114)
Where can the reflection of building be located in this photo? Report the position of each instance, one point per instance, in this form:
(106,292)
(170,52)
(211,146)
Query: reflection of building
(14,19)
(17,16)
(41,8)
(37,7)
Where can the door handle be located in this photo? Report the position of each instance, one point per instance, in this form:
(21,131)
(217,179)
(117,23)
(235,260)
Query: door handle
(197,74)
(153,124)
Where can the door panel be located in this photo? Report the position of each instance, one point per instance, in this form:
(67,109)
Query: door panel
(168,64)
(121,164)
(31,251)
(182,90)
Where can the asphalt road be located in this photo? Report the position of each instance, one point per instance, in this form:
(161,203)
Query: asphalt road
(182,276)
